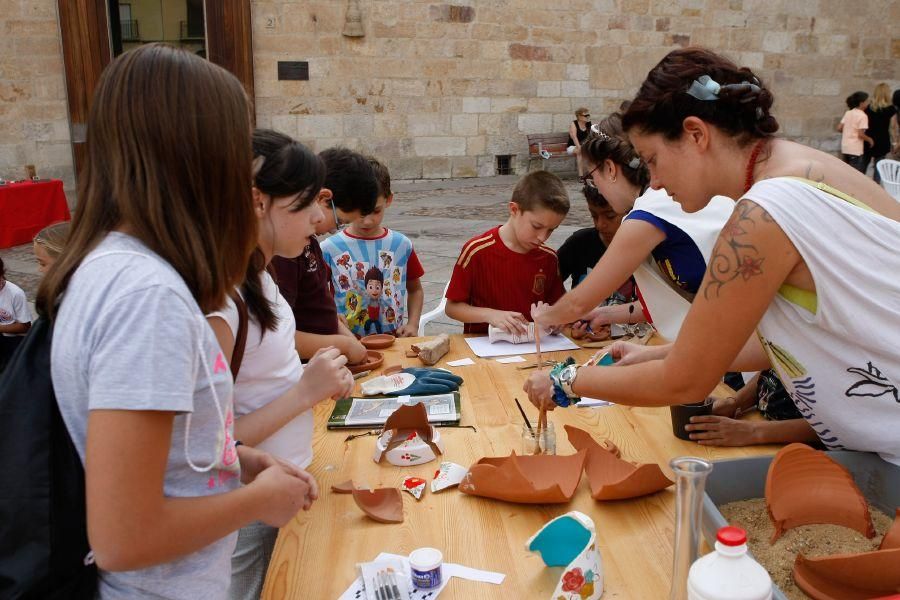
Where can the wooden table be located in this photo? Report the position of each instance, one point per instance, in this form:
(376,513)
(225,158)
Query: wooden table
(316,553)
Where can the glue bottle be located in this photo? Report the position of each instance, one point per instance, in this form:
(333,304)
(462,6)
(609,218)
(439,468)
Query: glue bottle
(729,573)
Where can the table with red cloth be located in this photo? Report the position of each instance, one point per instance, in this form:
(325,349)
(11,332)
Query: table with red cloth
(28,207)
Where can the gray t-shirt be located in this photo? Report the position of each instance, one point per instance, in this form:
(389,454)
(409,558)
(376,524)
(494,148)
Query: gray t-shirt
(129,336)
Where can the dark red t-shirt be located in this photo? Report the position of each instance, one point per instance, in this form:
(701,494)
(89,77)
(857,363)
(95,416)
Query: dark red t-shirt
(305,282)
(488,274)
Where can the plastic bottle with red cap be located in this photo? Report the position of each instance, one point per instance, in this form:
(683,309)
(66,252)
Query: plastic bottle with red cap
(729,573)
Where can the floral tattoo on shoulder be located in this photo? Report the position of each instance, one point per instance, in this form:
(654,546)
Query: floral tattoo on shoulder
(735,256)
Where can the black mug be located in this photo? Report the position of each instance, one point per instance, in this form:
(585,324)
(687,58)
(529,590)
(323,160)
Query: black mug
(682,413)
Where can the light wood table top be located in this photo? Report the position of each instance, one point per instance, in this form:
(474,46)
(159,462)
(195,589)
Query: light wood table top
(316,553)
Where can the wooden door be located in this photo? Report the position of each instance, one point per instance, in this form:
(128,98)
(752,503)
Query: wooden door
(85,31)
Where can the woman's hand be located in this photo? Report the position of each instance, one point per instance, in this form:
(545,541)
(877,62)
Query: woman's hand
(540,390)
(326,376)
(626,353)
(711,430)
(509,321)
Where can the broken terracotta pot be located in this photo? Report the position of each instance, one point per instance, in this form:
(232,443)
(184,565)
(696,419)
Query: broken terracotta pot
(536,479)
(805,487)
(374,359)
(344,487)
(408,439)
(383,505)
(891,539)
(612,478)
(849,576)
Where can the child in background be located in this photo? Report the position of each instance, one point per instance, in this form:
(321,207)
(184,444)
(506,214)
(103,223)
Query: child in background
(15,317)
(391,287)
(853,127)
(273,393)
(350,191)
(49,244)
(502,272)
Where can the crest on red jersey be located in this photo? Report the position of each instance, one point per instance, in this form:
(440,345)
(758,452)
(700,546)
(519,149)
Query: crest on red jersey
(538,287)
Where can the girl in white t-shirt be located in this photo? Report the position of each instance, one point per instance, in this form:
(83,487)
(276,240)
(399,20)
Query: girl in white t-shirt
(273,393)
(163,229)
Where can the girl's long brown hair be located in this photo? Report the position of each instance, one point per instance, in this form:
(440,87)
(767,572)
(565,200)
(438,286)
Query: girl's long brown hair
(168,162)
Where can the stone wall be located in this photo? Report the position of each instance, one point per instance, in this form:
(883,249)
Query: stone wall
(438,89)
(34,122)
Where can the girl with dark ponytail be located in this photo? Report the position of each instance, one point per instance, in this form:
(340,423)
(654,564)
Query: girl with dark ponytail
(801,276)
(273,393)
(654,227)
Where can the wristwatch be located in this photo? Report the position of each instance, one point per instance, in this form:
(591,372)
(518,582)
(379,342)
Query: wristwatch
(563,377)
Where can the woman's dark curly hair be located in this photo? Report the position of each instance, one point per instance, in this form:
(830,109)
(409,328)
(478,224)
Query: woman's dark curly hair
(741,108)
(610,143)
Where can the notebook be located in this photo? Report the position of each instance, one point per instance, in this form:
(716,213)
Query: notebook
(366,413)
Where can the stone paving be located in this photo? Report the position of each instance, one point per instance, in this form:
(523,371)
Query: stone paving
(438,216)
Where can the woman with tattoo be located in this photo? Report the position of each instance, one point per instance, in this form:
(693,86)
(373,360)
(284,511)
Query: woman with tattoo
(803,278)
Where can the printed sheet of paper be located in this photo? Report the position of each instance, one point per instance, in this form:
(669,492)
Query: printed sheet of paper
(375,411)
(356,590)
(510,359)
(482,346)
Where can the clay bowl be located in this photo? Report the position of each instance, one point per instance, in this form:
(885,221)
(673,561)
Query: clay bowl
(378,341)
(374,359)
(682,413)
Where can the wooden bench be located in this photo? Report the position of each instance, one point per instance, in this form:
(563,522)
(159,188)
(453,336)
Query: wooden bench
(547,146)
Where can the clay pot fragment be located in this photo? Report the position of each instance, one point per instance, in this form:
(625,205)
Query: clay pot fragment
(612,478)
(805,487)
(408,439)
(891,539)
(540,479)
(849,576)
(383,504)
(344,487)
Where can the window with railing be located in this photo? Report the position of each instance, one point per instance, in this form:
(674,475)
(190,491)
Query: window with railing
(130,31)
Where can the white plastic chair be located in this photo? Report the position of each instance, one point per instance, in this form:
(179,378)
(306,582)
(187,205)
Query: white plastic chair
(889,171)
(434,313)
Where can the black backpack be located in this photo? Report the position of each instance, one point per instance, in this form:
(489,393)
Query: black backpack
(44,550)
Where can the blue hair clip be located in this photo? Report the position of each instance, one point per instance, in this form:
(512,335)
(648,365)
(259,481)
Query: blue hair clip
(704,88)
(634,163)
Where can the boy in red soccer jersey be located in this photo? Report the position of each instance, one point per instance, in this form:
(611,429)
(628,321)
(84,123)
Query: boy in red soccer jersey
(502,272)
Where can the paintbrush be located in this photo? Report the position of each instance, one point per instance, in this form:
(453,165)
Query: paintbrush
(542,415)
(525,417)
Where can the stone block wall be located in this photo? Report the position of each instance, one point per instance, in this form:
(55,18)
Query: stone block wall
(34,121)
(439,88)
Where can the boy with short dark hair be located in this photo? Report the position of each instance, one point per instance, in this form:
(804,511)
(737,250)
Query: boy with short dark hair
(502,272)
(376,274)
(349,192)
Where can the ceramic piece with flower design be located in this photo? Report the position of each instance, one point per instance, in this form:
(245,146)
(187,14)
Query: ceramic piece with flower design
(570,541)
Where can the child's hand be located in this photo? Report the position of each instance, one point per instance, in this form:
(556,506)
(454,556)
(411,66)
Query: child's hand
(254,462)
(284,495)
(537,315)
(509,321)
(408,330)
(325,376)
(356,352)
(711,430)
(540,390)
(626,353)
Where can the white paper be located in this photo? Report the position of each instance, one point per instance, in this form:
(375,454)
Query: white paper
(462,362)
(510,359)
(482,346)
(449,571)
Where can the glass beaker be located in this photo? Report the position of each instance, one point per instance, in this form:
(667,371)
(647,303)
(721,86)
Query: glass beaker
(546,441)
(690,481)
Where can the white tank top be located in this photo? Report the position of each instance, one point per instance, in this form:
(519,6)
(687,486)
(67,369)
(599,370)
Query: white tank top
(838,357)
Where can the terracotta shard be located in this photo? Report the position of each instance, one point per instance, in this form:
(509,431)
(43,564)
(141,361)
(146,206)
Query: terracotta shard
(849,576)
(612,478)
(408,438)
(805,487)
(540,479)
(344,487)
(891,539)
(383,505)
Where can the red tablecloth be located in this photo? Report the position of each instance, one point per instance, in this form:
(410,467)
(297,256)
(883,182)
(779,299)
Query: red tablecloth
(26,208)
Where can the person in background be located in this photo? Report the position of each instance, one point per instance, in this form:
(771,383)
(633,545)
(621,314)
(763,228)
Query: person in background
(49,244)
(392,273)
(15,317)
(273,393)
(349,192)
(578,132)
(162,231)
(880,111)
(853,128)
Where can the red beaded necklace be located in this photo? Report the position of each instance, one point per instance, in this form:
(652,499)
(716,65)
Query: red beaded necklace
(751,164)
